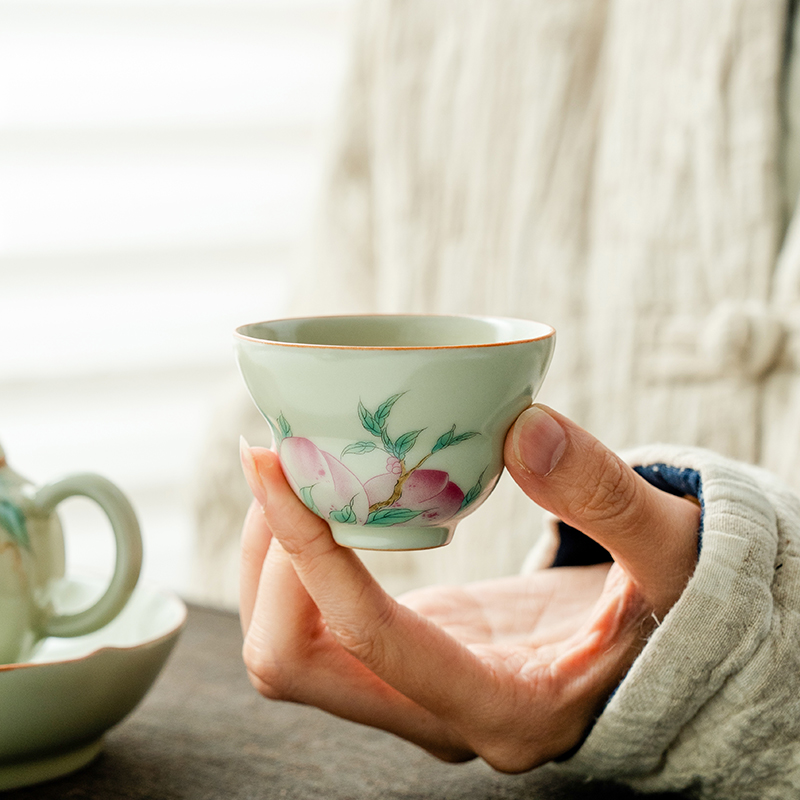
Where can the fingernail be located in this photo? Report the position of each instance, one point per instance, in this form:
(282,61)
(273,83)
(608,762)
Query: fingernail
(251,475)
(538,440)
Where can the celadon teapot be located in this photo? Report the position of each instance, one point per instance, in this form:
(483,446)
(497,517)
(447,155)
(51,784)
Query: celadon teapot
(32,559)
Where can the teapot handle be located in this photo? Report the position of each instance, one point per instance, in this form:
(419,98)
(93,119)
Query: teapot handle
(128,561)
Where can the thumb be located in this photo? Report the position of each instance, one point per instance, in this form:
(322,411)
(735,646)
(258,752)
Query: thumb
(651,534)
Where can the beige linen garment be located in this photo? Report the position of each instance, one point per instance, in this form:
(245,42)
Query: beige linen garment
(615,168)
(611,168)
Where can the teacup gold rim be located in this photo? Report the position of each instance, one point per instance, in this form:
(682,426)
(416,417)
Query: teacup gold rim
(550,332)
(152,642)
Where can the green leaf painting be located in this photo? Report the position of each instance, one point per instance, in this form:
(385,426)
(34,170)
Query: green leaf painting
(346,515)
(388,444)
(448,439)
(473,493)
(306,497)
(404,443)
(285,428)
(359,448)
(391,516)
(382,414)
(444,440)
(13,521)
(368,420)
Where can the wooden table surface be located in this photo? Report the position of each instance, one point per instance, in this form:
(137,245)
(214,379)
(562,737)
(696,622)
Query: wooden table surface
(203,733)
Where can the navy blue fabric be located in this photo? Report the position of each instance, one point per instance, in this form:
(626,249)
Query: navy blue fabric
(576,549)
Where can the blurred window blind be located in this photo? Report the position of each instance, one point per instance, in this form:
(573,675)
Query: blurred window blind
(158,167)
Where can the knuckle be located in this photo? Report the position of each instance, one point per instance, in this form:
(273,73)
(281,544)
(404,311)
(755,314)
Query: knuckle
(358,644)
(365,641)
(507,753)
(510,757)
(313,560)
(266,688)
(268,676)
(307,537)
(613,492)
(506,739)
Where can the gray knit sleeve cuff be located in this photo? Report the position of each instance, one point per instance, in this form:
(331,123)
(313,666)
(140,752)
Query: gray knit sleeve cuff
(710,705)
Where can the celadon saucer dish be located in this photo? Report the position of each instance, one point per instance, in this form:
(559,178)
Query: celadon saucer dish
(55,709)
(391,427)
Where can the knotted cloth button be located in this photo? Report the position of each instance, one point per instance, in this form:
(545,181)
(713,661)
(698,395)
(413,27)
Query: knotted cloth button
(742,338)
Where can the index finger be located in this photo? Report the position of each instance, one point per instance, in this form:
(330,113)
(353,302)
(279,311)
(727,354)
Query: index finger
(406,651)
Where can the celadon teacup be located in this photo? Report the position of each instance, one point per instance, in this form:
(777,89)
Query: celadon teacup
(32,559)
(391,427)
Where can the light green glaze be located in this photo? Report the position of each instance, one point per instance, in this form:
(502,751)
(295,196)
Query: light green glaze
(48,767)
(32,559)
(387,418)
(56,709)
(405,538)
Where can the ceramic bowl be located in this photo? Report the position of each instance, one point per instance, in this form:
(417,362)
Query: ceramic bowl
(390,427)
(56,707)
